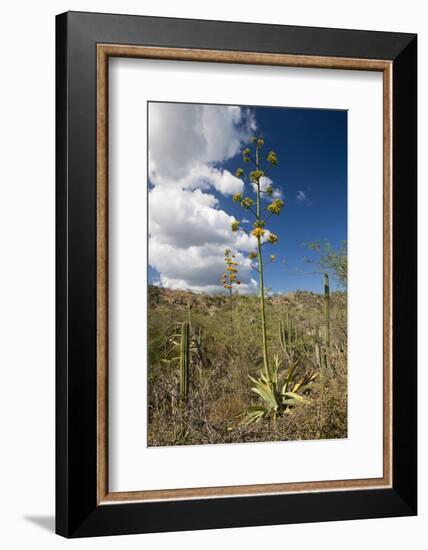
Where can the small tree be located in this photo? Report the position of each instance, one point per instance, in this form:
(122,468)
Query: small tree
(330,260)
(255,179)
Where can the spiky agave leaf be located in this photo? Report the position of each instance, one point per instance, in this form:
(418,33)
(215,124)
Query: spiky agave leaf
(267,391)
(305,381)
(296,397)
(253,414)
(288,378)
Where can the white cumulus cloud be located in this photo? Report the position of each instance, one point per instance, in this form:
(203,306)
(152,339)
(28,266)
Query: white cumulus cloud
(204,177)
(183,136)
(188,231)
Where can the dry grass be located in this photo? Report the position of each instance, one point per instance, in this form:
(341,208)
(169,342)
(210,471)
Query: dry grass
(219,385)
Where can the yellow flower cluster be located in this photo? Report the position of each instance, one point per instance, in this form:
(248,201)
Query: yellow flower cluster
(245,154)
(247,202)
(235,225)
(255,175)
(237,197)
(229,277)
(275,207)
(258,232)
(258,141)
(272,158)
(272,239)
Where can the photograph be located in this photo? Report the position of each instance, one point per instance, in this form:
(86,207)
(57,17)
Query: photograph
(247,274)
(212,288)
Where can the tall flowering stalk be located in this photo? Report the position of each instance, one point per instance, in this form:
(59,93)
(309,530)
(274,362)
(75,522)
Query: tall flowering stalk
(230,279)
(256,180)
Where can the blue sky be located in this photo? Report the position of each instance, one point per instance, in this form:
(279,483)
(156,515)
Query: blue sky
(311,145)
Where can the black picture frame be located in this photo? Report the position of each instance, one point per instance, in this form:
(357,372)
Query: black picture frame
(77,511)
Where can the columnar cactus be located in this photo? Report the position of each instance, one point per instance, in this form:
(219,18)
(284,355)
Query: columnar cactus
(327,310)
(287,333)
(184,363)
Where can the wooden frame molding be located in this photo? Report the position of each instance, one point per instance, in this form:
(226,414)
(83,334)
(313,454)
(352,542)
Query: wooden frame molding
(104,52)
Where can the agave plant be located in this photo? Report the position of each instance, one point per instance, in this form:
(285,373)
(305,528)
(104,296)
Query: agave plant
(277,399)
(257,183)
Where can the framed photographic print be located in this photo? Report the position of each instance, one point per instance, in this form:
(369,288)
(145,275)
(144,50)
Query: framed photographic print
(236,274)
